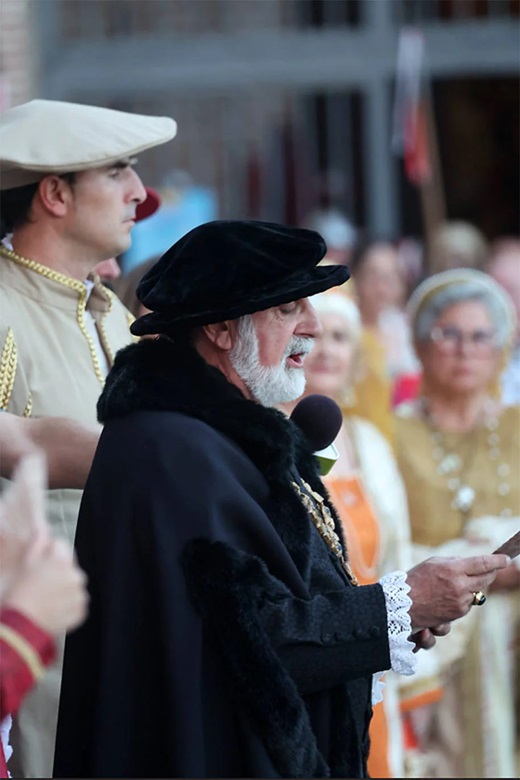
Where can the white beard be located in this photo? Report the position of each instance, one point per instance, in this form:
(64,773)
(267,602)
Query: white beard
(269,385)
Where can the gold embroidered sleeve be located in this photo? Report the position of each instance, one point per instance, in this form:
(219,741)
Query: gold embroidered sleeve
(24,649)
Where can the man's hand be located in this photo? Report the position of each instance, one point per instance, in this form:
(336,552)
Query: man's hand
(23,527)
(506,580)
(442,589)
(15,442)
(39,575)
(50,589)
(425,639)
(68,445)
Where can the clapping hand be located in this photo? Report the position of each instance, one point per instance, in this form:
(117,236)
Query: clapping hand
(39,576)
(24,530)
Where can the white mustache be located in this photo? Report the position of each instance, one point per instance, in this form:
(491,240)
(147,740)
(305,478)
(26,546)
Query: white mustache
(299,345)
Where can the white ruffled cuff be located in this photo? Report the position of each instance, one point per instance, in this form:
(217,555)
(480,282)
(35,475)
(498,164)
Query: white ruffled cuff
(402,658)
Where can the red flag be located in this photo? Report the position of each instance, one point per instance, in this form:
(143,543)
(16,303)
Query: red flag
(410,121)
(416,148)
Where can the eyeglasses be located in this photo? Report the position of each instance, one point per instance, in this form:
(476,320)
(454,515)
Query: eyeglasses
(451,339)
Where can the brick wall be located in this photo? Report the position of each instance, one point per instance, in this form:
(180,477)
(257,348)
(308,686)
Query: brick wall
(17,57)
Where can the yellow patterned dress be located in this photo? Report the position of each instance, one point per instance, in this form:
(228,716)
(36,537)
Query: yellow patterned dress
(373,389)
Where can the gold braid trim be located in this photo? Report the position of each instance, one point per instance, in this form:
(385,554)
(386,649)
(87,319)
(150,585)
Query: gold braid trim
(322,518)
(24,649)
(101,322)
(28,406)
(43,270)
(72,284)
(8,363)
(82,305)
(131,319)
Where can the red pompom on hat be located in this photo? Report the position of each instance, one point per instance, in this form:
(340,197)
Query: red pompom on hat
(148,206)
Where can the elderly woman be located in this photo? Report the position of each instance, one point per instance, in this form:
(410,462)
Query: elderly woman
(367,492)
(459,453)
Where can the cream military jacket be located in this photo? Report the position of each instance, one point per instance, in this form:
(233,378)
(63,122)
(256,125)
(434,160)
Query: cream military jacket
(49,366)
(48,360)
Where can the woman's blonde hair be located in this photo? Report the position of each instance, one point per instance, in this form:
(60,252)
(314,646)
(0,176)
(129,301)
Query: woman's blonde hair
(338,303)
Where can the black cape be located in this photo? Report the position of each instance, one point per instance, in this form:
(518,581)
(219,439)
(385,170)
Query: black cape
(224,639)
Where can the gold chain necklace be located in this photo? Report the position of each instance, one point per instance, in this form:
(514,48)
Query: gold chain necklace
(324,523)
(81,289)
(455,467)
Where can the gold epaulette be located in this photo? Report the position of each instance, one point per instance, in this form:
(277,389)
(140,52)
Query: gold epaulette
(8,363)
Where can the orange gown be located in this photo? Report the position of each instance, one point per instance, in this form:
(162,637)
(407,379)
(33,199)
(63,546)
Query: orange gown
(361,531)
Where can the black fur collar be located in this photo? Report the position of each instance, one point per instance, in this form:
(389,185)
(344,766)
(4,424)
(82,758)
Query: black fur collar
(160,375)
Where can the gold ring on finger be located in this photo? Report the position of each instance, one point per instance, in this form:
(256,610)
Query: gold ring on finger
(478,599)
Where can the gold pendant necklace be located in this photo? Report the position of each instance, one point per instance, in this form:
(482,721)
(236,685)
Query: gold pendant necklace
(455,468)
(452,466)
(324,523)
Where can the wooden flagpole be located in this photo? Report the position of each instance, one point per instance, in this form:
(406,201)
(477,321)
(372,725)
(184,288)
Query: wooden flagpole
(414,135)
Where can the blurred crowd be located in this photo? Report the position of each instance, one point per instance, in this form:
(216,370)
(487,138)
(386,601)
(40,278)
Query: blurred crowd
(421,351)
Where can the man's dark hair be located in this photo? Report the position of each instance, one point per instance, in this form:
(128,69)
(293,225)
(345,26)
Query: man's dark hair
(15,204)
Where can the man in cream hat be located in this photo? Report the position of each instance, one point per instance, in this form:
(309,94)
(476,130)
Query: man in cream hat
(68,201)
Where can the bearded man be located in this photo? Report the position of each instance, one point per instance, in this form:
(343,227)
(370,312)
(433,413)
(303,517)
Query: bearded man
(226,634)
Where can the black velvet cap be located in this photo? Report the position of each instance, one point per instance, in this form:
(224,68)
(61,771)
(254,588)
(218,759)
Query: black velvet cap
(224,269)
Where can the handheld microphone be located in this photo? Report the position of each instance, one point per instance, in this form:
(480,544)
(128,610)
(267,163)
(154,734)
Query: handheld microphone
(320,419)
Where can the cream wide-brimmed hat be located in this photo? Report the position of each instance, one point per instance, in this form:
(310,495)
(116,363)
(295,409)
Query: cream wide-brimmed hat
(50,136)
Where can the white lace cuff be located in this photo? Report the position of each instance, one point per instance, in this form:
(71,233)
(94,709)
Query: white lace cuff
(402,658)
